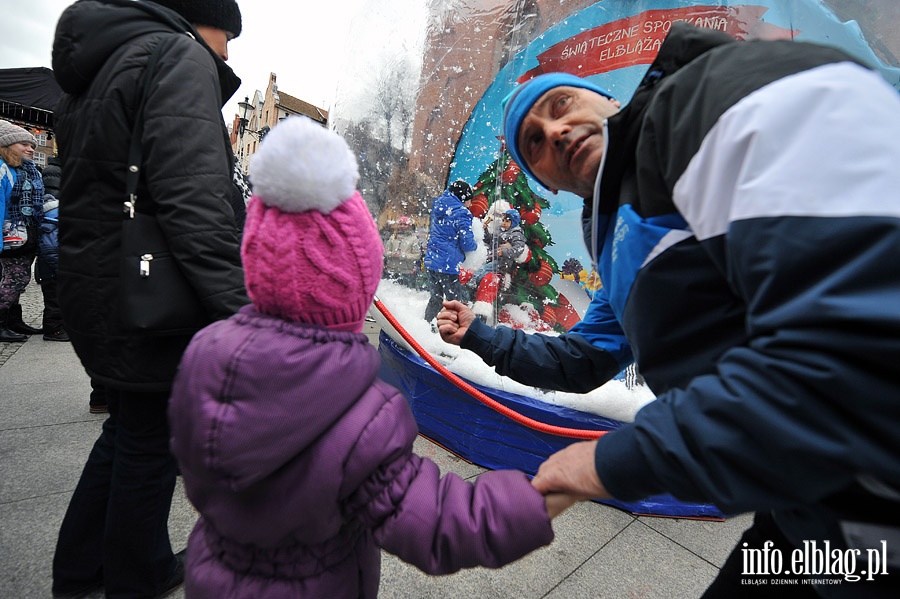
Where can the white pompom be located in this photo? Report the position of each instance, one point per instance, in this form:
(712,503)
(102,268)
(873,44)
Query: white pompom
(302,166)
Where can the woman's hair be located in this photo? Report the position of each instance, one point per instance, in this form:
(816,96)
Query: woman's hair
(12,159)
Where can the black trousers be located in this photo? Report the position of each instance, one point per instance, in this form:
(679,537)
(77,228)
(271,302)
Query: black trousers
(115,531)
(52,317)
(443,286)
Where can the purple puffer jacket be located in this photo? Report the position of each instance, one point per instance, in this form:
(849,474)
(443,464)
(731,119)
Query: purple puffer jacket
(299,460)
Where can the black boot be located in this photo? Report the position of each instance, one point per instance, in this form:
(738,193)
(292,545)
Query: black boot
(5,333)
(16,324)
(56,334)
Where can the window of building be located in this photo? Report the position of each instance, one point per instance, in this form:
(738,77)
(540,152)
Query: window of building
(40,158)
(41,139)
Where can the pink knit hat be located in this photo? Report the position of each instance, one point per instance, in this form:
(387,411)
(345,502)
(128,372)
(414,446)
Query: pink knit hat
(311,249)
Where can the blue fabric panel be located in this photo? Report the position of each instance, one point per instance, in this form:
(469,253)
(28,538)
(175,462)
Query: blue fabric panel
(465,426)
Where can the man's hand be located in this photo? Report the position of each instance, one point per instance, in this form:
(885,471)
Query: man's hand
(571,471)
(453,321)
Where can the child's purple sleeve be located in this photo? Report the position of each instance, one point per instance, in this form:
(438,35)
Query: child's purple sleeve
(440,525)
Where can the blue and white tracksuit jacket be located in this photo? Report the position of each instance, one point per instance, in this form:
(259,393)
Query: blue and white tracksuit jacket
(747,216)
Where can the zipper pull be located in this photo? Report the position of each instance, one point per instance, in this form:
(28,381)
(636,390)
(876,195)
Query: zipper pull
(145,265)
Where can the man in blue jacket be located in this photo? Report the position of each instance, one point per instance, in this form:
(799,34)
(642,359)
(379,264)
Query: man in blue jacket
(745,221)
(449,238)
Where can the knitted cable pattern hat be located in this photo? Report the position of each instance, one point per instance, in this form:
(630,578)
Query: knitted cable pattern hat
(221,14)
(311,249)
(10,134)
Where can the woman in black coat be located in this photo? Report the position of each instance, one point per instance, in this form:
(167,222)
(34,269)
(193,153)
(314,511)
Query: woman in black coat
(115,531)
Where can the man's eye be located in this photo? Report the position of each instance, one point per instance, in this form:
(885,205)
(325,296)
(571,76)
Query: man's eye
(560,104)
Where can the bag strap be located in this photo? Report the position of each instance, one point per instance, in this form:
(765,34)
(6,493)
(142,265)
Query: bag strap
(133,172)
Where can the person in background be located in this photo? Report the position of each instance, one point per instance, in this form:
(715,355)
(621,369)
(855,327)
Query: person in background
(506,247)
(402,252)
(7,182)
(449,238)
(21,229)
(331,478)
(115,535)
(745,220)
(52,175)
(47,265)
(48,253)
(9,161)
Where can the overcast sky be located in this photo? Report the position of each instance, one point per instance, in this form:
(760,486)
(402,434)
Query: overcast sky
(305,48)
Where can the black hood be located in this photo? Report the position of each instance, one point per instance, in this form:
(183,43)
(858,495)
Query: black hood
(682,45)
(90,31)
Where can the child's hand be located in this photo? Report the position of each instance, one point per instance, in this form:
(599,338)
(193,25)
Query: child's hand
(557,503)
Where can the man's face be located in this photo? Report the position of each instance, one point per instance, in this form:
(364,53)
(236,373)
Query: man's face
(216,39)
(561,138)
(23,149)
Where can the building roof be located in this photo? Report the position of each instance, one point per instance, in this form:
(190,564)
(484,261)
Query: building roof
(298,106)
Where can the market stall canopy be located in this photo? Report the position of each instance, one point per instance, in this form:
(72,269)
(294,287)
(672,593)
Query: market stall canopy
(29,95)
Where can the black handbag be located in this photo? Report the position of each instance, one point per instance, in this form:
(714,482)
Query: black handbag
(155,296)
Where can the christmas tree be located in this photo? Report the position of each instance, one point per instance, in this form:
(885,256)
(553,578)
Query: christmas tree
(504,180)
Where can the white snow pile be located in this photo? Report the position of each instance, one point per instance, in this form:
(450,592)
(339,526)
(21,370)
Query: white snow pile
(613,400)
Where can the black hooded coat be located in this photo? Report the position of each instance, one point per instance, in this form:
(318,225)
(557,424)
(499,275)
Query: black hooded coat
(100,52)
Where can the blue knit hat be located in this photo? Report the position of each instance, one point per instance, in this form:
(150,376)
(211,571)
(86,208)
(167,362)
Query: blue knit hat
(513,215)
(520,100)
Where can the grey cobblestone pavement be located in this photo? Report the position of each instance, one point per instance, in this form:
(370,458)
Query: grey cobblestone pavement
(46,433)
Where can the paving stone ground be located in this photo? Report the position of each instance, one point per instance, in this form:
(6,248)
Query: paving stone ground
(46,433)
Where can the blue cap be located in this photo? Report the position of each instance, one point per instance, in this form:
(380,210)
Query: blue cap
(520,100)
(513,215)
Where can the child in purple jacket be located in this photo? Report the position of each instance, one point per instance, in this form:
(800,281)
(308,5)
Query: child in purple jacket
(298,458)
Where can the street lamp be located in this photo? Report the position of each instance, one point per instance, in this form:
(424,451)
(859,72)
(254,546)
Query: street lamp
(245,107)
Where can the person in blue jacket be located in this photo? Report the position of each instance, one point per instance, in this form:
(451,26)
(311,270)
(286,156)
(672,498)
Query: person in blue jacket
(744,218)
(449,238)
(7,183)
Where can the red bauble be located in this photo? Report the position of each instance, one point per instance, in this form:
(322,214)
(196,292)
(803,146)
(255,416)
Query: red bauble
(511,173)
(479,206)
(529,217)
(543,275)
(549,315)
